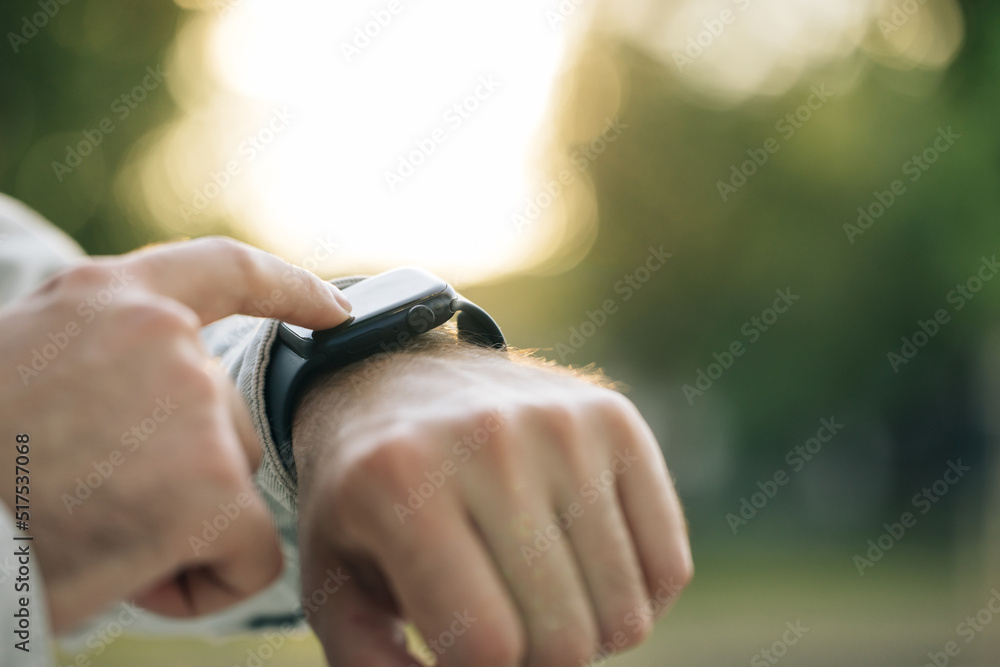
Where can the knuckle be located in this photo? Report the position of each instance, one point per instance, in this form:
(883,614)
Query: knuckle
(302,279)
(557,421)
(628,624)
(624,620)
(682,573)
(633,630)
(639,631)
(483,423)
(677,571)
(388,468)
(222,245)
(156,317)
(217,467)
(79,276)
(194,383)
(372,487)
(561,426)
(615,411)
(502,454)
(502,645)
(572,645)
(670,582)
(271,572)
(152,326)
(232,253)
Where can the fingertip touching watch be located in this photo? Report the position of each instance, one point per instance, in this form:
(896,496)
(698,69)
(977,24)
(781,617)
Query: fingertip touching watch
(388,310)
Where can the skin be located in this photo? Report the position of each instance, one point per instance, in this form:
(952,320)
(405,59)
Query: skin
(367,437)
(475,548)
(130,538)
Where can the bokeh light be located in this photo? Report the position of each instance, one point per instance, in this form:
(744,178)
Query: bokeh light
(400,136)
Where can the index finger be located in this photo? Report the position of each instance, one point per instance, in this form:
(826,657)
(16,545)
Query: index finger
(217,277)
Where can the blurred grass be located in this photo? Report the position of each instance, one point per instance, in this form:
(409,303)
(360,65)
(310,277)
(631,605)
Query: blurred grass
(298,651)
(738,604)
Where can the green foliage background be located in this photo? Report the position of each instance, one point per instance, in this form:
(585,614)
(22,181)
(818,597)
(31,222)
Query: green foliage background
(827,356)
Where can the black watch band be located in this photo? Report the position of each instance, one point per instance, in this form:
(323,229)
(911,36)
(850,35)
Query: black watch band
(298,356)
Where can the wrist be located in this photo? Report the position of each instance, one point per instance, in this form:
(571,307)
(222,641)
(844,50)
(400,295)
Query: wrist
(355,403)
(433,378)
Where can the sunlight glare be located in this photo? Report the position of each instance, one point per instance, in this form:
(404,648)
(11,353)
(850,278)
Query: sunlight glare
(455,92)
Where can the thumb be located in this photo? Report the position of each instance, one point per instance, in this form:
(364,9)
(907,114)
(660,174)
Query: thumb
(355,626)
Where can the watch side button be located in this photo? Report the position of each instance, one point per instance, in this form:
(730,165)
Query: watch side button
(420,318)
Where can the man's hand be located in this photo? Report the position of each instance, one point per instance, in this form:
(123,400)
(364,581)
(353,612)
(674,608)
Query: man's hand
(518,515)
(137,438)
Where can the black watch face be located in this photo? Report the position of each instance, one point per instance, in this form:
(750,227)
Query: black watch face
(384,293)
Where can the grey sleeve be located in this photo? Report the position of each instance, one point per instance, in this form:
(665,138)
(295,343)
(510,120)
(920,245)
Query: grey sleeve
(31,249)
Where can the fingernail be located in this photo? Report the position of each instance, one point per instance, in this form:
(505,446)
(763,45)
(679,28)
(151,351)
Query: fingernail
(341,299)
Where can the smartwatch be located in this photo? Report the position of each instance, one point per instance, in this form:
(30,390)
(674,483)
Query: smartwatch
(388,310)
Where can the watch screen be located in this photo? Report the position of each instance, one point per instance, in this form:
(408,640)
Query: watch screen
(386,292)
